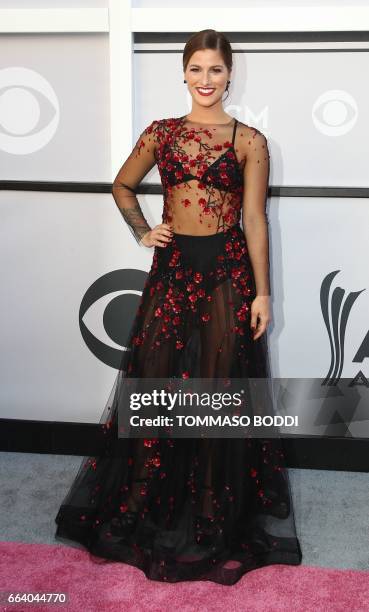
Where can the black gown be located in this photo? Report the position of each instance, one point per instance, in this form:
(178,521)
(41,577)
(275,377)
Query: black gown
(190,508)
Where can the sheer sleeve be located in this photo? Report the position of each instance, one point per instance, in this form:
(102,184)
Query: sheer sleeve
(254,216)
(137,165)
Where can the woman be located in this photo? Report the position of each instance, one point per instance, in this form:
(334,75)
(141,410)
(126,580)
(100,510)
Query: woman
(193,508)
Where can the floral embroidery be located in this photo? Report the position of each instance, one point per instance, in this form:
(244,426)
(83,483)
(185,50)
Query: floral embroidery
(189,164)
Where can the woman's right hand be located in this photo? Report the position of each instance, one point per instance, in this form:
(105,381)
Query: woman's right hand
(160,235)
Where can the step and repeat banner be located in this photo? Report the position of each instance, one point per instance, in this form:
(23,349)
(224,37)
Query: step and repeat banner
(71,271)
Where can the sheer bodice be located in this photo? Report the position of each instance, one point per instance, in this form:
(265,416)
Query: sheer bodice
(203,171)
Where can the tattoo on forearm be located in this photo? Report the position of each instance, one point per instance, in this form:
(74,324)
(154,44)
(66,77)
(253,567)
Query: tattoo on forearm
(136,221)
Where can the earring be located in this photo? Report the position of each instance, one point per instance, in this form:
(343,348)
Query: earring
(185,81)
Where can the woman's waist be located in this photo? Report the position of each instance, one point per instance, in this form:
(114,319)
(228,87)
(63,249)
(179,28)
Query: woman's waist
(203,252)
(203,237)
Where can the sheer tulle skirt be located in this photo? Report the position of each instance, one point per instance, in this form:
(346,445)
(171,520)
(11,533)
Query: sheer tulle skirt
(187,509)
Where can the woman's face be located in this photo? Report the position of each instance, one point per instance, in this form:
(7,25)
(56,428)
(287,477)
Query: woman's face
(206,69)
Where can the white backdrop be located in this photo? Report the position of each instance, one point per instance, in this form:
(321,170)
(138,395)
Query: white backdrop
(309,102)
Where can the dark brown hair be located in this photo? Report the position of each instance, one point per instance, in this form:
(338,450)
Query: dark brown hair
(208,39)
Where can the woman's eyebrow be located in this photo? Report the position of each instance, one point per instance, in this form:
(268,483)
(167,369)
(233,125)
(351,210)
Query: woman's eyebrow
(216,66)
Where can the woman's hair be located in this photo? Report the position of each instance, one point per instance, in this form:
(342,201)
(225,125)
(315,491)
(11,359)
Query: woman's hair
(208,39)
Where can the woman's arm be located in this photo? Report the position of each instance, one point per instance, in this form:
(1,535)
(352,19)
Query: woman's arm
(136,166)
(254,217)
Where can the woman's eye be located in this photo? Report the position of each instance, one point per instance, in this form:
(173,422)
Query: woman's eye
(215,70)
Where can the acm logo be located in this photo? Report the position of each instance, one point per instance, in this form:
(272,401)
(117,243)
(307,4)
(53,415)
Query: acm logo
(336,308)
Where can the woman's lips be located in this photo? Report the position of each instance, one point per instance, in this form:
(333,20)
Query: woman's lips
(205,93)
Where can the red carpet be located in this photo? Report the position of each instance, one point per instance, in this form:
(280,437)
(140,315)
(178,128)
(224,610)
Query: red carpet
(109,586)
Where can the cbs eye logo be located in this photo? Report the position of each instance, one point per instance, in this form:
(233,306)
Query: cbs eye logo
(23,95)
(107,313)
(334,113)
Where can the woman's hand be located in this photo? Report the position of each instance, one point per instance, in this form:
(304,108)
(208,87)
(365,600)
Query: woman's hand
(160,235)
(260,315)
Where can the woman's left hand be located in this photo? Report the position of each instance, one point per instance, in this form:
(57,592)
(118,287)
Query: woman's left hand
(260,315)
